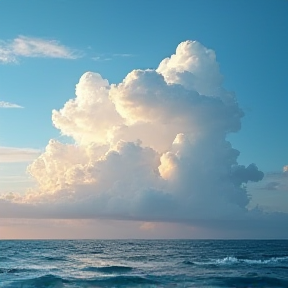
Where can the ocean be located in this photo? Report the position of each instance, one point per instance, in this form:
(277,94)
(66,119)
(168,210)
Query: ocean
(143,263)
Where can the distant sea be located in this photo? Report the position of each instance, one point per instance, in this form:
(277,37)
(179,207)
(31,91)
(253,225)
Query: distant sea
(143,263)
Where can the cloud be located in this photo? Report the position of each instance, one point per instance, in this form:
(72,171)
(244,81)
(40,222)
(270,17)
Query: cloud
(276,181)
(123,55)
(16,155)
(98,58)
(271,186)
(152,148)
(109,57)
(9,105)
(148,226)
(91,116)
(195,67)
(9,179)
(24,46)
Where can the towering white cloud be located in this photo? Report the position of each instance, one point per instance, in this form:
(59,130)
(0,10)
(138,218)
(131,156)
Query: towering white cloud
(91,116)
(193,66)
(151,148)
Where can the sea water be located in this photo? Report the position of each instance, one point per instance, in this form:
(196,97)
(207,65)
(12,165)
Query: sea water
(143,263)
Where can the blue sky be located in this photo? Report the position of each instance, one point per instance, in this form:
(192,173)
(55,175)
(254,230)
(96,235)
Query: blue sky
(112,38)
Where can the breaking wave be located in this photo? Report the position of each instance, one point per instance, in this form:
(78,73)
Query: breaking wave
(234,260)
(109,269)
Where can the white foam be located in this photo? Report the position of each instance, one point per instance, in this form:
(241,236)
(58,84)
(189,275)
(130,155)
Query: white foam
(230,260)
(233,260)
(227,260)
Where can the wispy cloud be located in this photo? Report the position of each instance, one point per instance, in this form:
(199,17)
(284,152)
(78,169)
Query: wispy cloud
(16,155)
(123,55)
(108,57)
(100,58)
(23,46)
(14,179)
(4,104)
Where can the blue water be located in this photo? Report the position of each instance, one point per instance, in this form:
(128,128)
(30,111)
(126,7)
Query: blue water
(143,263)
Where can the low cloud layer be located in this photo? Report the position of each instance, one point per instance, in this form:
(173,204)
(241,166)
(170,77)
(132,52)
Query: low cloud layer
(16,155)
(276,181)
(23,46)
(151,148)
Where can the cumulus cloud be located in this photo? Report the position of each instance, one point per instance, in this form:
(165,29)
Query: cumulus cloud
(24,46)
(9,105)
(151,148)
(91,116)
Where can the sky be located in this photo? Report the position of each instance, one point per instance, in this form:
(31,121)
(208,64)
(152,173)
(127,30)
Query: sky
(144,119)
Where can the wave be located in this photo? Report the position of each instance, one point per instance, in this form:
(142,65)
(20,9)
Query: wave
(96,252)
(53,281)
(138,258)
(187,262)
(49,280)
(14,270)
(55,258)
(234,260)
(5,270)
(123,281)
(262,281)
(109,269)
